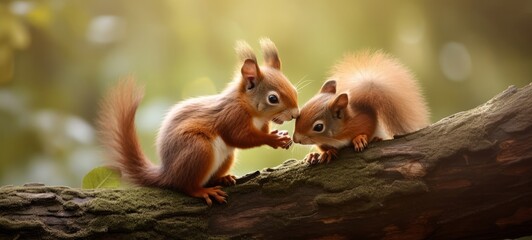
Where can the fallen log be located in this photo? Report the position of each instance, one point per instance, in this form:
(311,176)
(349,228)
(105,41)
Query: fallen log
(468,176)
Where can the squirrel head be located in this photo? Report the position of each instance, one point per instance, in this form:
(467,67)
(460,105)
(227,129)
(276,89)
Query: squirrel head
(322,118)
(268,92)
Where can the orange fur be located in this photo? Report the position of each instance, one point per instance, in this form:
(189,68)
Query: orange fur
(117,130)
(198,136)
(383,100)
(377,80)
(222,176)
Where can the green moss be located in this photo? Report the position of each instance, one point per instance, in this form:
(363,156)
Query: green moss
(11,201)
(9,224)
(371,195)
(70,193)
(243,188)
(100,205)
(347,180)
(145,209)
(183,227)
(336,199)
(122,223)
(67,197)
(276,187)
(71,206)
(280,179)
(345,174)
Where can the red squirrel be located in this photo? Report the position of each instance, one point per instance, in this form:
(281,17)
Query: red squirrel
(370,97)
(198,137)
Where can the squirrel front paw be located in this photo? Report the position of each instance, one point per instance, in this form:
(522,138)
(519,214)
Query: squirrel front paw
(280,139)
(360,142)
(324,157)
(312,158)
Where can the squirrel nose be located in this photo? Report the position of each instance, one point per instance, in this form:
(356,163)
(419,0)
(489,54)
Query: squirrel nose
(295,113)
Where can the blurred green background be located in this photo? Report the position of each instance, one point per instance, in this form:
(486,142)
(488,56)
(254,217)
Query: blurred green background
(58,57)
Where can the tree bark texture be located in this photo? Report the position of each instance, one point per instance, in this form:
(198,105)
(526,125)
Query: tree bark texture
(468,176)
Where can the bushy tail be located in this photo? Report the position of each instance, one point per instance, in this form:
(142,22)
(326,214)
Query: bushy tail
(116,125)
(379,81)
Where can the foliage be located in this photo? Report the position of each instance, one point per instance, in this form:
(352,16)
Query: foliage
(58,57)
(101,177)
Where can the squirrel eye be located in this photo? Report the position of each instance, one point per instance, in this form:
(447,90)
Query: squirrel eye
(318,127)
(273,99)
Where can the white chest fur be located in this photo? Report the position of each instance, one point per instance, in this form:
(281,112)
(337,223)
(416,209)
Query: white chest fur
(258,122)
(380,131)
(220,152)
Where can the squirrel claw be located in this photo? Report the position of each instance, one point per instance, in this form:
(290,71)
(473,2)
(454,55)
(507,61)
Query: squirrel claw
(207,193)
(312,158)
(279,132)
(227,180)
(282,133)
(360,142)
(327,156)
(281,140)
(324,157)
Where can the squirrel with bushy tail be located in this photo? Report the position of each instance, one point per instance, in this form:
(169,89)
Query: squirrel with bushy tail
(198,137)
(370,96)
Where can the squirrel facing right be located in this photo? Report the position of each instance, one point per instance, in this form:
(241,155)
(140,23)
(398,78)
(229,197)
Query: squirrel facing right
(370,97)
(198,137)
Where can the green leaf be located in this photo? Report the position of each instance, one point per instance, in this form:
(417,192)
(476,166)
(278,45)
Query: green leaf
(101,177)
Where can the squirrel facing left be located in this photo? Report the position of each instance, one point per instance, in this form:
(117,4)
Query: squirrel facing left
(198,137)
(370,97)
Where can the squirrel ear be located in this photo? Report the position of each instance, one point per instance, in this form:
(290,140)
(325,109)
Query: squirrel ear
(338,105)
(271,57)
(250,73)
(329,87)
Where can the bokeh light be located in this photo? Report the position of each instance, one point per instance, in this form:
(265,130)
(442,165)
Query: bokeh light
(59,57)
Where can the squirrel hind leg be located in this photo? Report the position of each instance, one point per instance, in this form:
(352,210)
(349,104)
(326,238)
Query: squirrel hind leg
(222,176)
(226,180)
(206,193)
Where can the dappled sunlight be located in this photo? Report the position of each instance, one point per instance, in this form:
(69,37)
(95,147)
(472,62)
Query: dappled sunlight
(106,29)
(58,58)
(455,61)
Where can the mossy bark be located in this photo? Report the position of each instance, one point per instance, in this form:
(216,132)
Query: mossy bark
(466,176)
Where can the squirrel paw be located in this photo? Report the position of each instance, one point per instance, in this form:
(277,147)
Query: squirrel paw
(324,157)
(360,142)
(312,158)
(227,180)
(328,155)
(281,139)
(207,193)
(280,133)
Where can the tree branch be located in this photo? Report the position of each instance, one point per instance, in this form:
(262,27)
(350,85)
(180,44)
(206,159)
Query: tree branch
(466,176)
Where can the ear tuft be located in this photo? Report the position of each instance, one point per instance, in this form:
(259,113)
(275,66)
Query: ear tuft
(271,56)
(244,51)
(329,87)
